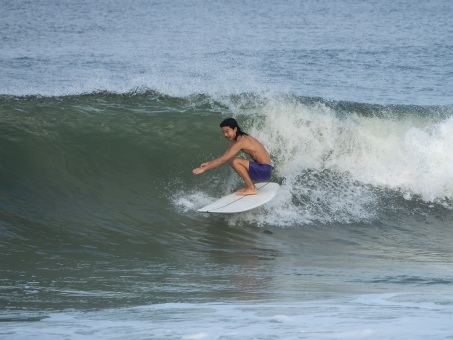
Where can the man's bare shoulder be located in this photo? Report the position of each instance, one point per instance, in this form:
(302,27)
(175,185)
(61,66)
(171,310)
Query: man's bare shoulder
(251,141)
(247,139)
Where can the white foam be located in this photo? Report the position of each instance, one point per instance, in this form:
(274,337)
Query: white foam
(330,163)
(333,165)
(408,155)
(376,316)
(191,201)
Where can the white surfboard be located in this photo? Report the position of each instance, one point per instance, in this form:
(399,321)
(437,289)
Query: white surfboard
(234,204)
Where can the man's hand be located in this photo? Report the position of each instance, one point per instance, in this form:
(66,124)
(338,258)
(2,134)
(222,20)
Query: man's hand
(200,170)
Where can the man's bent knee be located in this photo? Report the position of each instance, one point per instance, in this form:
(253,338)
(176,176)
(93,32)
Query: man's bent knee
(235,162)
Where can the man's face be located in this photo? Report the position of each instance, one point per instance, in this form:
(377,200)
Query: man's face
(229,133)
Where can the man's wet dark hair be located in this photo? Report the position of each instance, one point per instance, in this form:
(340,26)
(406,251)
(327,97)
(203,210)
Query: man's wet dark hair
(232,123)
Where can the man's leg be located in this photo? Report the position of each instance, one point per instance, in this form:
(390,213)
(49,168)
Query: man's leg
(241,166)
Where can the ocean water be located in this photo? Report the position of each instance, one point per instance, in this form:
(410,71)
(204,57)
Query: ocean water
(107,106)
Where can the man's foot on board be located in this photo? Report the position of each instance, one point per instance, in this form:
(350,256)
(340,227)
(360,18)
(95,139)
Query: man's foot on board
(241,190)
(246,192)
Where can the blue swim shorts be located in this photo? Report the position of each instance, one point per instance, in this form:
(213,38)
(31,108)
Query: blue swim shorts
(260,172)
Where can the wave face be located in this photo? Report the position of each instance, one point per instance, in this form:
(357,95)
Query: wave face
(100,155)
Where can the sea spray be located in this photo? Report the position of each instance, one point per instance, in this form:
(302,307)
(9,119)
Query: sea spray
(345,166)
(399,153)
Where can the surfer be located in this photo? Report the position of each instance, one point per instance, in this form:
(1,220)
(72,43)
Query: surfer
(259,169)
